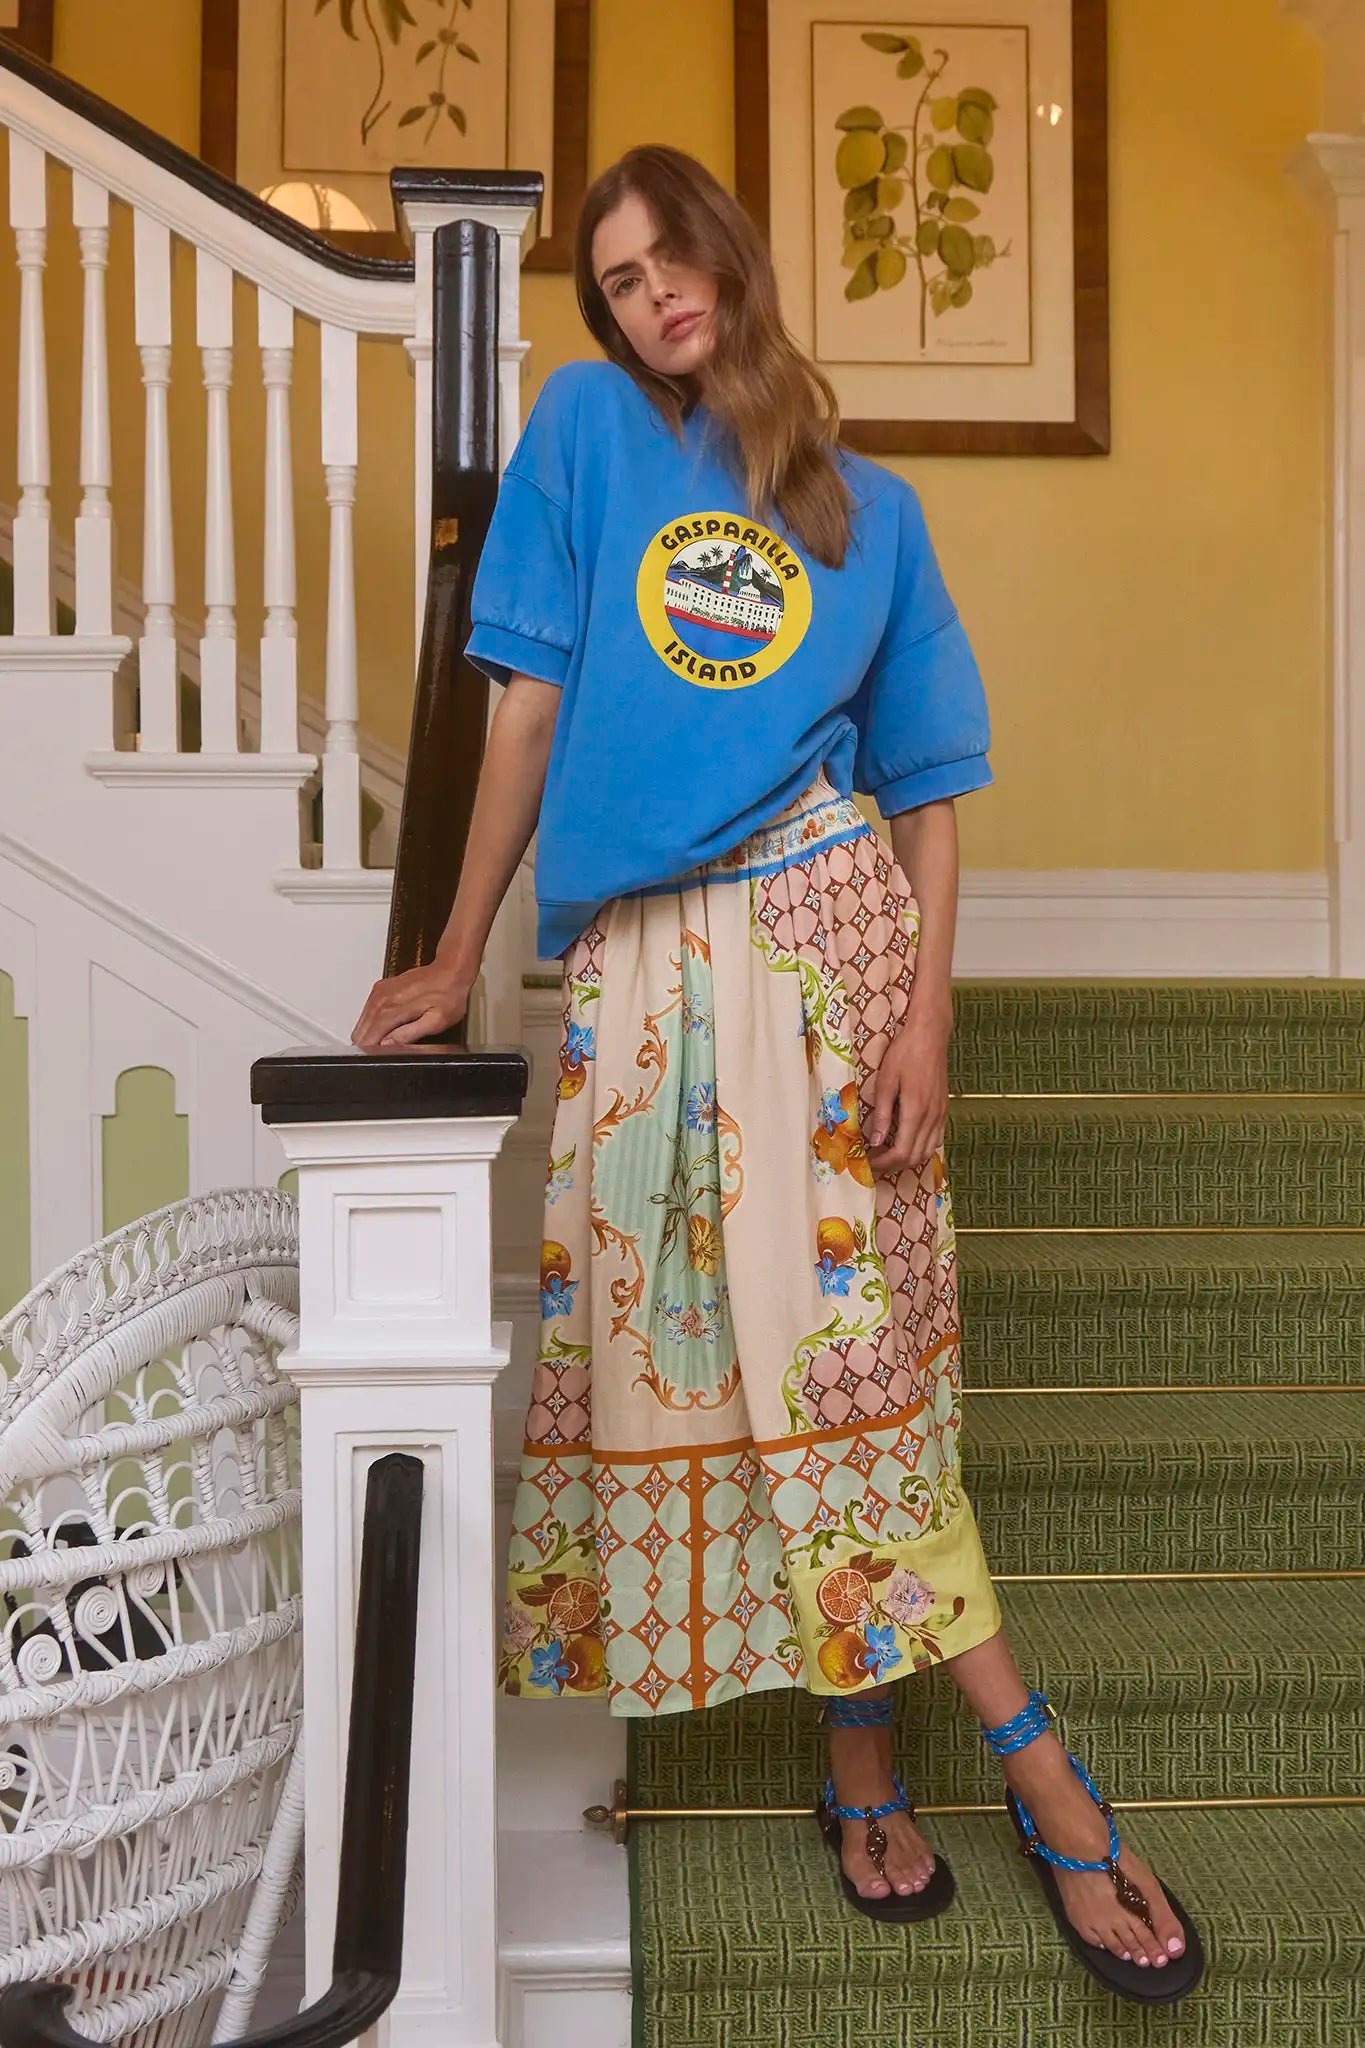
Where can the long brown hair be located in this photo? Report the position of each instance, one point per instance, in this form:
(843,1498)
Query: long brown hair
(779,410)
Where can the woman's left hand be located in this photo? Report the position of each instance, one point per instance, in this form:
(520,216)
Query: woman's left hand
(910,1095)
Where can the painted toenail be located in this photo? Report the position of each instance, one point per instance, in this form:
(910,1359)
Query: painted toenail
(1174,1945)
(1142,1962)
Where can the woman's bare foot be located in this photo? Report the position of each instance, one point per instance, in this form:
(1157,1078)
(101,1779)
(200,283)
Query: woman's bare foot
(860,1765)
(1070,1822)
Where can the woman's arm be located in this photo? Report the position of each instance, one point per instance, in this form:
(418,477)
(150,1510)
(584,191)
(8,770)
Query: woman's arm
(910,1097)
(506,806)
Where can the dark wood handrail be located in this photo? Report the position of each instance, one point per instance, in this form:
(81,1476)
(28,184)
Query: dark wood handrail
(367,1951)
(158,149)
(450,707)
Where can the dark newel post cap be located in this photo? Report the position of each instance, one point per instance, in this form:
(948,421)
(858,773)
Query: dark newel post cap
(322,1085)
(432,185)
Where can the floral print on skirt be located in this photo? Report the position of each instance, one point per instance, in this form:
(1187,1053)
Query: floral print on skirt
(741,1461)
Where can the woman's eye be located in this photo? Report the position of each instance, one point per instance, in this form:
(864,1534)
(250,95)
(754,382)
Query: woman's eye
(621,285)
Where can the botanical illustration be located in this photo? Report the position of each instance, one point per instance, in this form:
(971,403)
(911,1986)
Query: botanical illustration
(922,188)
(941,162)
(440,44)
(372,83)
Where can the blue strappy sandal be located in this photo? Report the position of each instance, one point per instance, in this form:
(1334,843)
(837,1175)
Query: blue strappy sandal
(1145,1984)
(898,1907)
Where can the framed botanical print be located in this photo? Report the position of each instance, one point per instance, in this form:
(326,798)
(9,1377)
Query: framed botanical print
(313,102)
(934,187)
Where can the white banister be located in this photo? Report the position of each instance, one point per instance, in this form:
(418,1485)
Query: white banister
(159,722)
(340,454)
(94,521)
(397,1350)
(33,517)
(218,647)
(279,638)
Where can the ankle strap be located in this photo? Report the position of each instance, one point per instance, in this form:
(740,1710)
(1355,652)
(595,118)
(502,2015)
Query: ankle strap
(900,1804)
(1025,1726)
(858,1713)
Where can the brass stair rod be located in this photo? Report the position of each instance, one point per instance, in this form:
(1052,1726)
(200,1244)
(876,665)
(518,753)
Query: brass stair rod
(619,1815)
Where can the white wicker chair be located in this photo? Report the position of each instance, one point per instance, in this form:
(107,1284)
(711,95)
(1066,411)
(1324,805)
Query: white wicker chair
(150,1792)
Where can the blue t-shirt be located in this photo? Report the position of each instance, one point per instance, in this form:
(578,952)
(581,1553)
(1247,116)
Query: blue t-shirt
(710,667)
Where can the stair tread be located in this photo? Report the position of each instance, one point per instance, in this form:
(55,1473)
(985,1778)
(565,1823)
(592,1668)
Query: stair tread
(733,1904)
(1328,1425)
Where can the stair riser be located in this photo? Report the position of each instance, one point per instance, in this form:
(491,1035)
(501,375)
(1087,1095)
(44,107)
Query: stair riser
(1109,1177)
(1150,1037)
(1067,1337)
(1139,1751)
(1248,1516)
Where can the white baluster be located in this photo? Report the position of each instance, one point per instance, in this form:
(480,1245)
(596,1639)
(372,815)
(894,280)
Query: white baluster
(158,666)
(341,758)
(33,516)
(218,648)
(94,521)
(279,641)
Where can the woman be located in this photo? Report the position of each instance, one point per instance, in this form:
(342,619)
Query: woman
(741,1460)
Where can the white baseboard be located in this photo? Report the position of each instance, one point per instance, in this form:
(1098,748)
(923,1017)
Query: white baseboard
(1140,923)
(564,1941)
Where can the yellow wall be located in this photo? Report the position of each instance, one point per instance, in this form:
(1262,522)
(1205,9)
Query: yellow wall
(1151,625)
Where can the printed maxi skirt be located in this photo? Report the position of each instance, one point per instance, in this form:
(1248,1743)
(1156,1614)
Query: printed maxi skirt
(741,1462)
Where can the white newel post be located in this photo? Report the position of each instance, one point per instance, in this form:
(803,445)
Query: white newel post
(1332,167)
(397,1350)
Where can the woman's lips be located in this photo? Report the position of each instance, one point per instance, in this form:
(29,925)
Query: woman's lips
(681,324)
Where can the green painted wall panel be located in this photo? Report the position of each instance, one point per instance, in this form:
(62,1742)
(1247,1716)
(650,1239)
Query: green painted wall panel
(146,1147)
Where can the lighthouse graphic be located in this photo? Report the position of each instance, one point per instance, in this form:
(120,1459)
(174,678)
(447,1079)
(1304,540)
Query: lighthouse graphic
(723,600)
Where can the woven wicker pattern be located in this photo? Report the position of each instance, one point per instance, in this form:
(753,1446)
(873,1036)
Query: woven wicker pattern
(1168,1689)
(1161,1311)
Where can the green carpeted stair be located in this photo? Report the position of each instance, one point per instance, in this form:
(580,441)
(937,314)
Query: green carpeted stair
(1217,1689)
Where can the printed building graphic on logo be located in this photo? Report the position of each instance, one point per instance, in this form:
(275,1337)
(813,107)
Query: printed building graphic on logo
(722,586)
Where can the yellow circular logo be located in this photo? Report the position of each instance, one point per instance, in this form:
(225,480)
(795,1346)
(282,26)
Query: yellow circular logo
(722,601)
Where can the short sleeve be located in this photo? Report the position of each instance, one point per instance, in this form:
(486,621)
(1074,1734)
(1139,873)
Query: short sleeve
(921,715)
(524,604)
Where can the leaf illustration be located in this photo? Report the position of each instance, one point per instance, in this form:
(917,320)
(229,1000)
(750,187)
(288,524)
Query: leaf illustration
(978,96)
(985,251)
(973,166)
(457,116)
(927,237)
(859,157)
(943,112)
(959,1606)
(425,51)
(940,170)
(912,63)
(897,150)
(861,201)
(891,268)
(890,192)
(961,294)
(883,1569)
(861,1563)
(465,51)
(941,203)
(890,45)
(860,117)
(395,17)
(878,229)
(412,114)
(536,1596)
(974,124)
(961,209)
(958,250)
(347,12)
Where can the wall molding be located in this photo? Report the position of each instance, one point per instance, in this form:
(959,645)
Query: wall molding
(195,960)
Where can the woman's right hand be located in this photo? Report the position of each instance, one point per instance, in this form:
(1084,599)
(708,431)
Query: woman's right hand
(418,1004)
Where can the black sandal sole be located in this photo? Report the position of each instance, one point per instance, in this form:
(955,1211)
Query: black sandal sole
(1176,1978)
(896,1909)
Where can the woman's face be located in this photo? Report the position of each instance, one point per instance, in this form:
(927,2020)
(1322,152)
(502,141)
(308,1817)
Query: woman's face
(663,306)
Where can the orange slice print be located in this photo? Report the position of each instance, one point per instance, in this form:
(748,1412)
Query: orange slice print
(843,1593)
(574,1607)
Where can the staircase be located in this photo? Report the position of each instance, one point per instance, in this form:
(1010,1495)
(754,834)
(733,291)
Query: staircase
(1178,1391)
